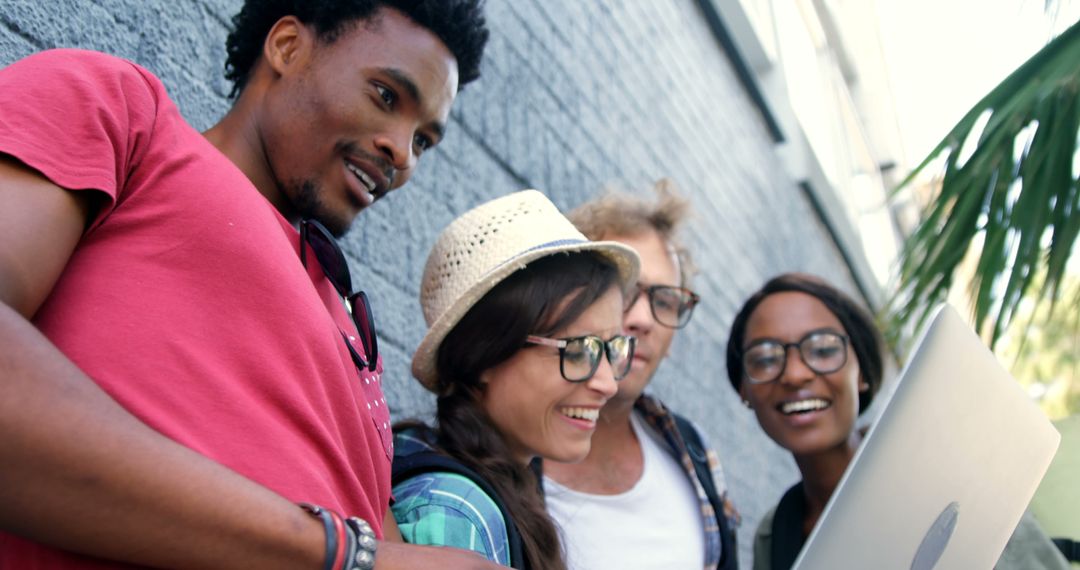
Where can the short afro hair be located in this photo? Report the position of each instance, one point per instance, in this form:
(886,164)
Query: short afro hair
(859,325)
(458,23)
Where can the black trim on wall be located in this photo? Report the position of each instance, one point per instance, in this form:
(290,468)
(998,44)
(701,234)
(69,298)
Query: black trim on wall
(745,74)
(841,244)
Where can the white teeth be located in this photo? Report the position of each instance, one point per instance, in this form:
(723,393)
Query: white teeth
(808,405)
(590,414)
(364,178)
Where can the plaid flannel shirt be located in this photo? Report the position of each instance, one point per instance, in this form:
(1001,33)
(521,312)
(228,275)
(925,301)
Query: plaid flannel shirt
(445,509)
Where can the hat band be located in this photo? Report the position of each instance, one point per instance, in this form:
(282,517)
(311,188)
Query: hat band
(556,243)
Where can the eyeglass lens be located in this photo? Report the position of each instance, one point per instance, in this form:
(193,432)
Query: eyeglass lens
(670,306)
(581,356)
(822,352)
(336,269)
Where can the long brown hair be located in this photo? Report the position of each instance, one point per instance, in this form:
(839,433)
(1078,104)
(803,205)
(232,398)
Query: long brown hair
(531,301)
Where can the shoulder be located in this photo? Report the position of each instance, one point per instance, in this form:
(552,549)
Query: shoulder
(1030,547)
(82,68)
(439,507)
(663,419)
(448,490)
(78,59)
(65,59)
(651,413)
(763,541)
(101,118)
(95,97)
(764,528)
(448,509)
(413,440)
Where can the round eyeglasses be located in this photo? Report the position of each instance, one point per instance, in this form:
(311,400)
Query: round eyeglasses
(671,306)
(336,269)
(579,357)
(824,352)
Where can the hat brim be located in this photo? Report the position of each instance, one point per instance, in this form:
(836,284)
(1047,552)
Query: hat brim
(626,261)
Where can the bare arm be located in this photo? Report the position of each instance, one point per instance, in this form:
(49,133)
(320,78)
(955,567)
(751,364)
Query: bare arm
(81,473)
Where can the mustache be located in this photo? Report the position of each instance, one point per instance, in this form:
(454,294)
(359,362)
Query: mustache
(353,150)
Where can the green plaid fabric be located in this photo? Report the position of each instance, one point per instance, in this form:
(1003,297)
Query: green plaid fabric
(445,509)
(659,418)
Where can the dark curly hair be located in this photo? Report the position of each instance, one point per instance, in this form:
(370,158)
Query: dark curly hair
(458,23)
(865,338)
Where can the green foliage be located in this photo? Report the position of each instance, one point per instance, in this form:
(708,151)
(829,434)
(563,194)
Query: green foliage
(1017,193)
(1044,347)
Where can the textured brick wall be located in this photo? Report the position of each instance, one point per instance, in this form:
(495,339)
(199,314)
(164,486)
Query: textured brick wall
(574,95)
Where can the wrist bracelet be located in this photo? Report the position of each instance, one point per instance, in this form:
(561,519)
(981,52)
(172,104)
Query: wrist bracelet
(363,558)
(350,543)
(328,529)
(350,548)
(342,534)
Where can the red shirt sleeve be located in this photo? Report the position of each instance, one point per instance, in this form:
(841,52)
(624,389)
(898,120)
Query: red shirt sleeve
(78,117)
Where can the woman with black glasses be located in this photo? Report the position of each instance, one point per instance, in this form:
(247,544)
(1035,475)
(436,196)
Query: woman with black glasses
(524,346)
(807,359)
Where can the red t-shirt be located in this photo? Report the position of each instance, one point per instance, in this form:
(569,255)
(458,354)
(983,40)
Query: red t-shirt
(186,300)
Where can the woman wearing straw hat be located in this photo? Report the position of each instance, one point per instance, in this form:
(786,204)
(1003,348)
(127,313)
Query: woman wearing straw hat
(523,348)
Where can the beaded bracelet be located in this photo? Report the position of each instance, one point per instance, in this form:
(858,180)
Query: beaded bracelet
(364,555)
(350,543)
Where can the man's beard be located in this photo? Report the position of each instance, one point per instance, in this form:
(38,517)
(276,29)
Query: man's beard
(307,203)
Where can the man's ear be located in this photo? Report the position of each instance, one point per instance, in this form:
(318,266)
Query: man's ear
(287,42)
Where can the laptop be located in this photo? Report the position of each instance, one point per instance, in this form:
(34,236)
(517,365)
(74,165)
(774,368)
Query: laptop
(944,475)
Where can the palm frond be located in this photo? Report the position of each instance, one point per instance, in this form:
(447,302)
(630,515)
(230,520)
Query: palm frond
(1017,193)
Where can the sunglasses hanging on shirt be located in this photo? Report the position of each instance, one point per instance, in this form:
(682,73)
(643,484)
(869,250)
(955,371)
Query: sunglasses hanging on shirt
(336,268)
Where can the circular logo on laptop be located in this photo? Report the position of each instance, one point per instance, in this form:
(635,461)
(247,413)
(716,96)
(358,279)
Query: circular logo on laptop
(937,538)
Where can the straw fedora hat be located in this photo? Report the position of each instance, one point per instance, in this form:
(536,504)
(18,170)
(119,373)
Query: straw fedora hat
(484,246)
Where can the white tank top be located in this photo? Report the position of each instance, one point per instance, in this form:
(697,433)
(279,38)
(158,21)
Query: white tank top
(655,525)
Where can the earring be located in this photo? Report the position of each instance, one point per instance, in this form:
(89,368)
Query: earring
(747,404)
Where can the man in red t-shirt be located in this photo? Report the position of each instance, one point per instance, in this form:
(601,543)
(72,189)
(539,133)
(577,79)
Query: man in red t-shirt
(177,372)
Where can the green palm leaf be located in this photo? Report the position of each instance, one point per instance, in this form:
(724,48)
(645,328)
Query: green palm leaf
(1016,194)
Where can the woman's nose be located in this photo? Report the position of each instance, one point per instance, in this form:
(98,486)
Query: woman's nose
(796,372)
(603,381)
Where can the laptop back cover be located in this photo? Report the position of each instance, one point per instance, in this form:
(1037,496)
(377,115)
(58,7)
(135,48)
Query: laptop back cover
(945,474)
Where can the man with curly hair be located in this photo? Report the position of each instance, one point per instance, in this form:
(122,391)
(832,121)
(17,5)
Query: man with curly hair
(178,370)
(651,493)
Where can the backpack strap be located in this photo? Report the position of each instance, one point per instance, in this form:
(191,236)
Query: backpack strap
(787,534)
(700,459)
(406,467)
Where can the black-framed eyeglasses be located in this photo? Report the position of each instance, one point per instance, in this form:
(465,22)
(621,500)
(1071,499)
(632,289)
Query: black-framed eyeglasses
(671,306)
(579,357)
(336,269)
(824,352)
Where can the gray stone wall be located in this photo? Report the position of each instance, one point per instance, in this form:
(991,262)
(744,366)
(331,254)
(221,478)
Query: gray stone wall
(574,95)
